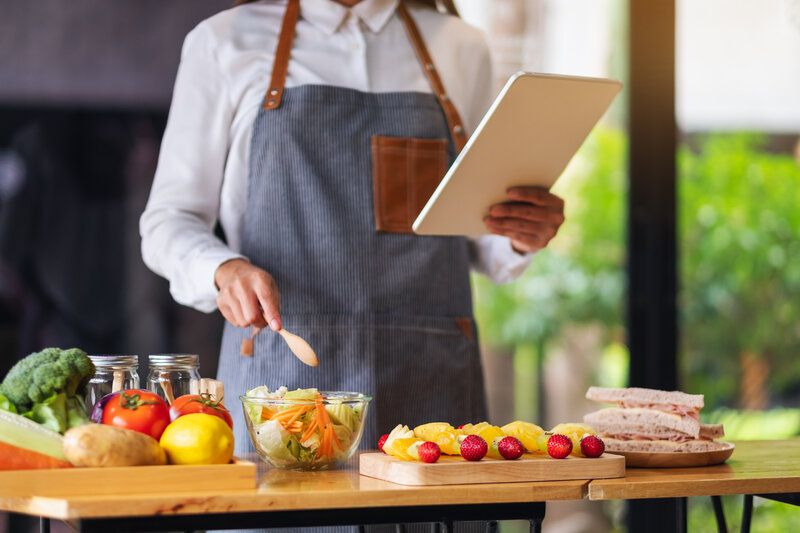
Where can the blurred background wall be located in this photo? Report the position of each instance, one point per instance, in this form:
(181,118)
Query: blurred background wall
(85,88)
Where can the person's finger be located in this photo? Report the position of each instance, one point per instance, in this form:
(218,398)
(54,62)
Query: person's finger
(270,303)
(527,227)
(535,195)
(528,212)
(226,311)
(230,308)
(251,310)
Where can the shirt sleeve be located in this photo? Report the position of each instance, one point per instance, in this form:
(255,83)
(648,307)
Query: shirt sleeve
(490,255)
(177,226)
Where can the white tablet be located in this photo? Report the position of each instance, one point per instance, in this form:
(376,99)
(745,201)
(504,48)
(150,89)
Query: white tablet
(528,136)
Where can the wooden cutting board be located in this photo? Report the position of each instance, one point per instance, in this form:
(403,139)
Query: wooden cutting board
(454,470)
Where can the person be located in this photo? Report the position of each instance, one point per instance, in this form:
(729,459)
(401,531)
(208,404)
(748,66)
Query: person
(314,131)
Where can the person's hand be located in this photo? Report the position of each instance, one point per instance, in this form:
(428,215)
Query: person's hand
(248,295)
(530,218)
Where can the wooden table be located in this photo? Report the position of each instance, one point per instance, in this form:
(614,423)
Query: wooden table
(770,469)
(756,467)
(284,498)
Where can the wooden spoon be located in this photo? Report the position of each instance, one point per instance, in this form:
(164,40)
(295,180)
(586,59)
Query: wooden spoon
(297,345)
(300,348)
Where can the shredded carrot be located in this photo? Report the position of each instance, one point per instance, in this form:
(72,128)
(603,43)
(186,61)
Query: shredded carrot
(266,414)
(300,412)
(327,435)
(309,431)
(335,439)
(287,413)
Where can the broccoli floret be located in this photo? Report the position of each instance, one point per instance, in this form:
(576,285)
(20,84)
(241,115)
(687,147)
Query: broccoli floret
(43,374)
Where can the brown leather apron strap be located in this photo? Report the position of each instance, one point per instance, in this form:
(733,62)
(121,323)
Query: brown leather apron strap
(284,48)
(450,111)
(282,53)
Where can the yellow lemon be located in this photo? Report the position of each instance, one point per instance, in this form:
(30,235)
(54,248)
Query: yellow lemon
(198,439)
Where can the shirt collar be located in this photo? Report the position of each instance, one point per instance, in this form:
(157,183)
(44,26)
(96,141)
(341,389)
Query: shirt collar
(328,15)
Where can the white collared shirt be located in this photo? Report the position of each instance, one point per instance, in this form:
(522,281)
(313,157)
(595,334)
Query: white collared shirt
(224,71)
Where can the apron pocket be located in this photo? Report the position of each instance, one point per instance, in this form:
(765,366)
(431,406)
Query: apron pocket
(405,173)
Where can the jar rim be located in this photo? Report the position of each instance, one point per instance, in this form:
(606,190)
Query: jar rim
(174,359)
(114,361)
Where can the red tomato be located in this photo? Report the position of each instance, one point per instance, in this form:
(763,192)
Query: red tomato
(139,410)
(199,403)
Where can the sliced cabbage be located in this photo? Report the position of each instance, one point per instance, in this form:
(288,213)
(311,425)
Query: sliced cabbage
(273,440)
(263,392)
(301,394)
(342,414)
(343,434)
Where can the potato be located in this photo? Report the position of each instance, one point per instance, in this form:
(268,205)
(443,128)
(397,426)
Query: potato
(103,445)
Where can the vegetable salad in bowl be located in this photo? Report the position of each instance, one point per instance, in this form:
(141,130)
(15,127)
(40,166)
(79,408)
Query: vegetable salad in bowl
(305,429)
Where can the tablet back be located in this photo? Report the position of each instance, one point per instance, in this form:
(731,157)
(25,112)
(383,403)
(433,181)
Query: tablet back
(528,136)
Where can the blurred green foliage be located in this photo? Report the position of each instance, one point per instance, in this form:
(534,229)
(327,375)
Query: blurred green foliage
(739,245)
(778,423)
(768,516)
(579,278)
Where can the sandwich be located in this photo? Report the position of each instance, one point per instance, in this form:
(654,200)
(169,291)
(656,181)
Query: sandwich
(650,420)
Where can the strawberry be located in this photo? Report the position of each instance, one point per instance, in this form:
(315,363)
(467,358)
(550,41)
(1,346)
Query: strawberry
(429,452)
(592,446)
(559,446)
(382,440)
(473,448)
(510,448)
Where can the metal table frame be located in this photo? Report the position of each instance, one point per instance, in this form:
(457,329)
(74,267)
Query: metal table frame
(442,516)
(792,498)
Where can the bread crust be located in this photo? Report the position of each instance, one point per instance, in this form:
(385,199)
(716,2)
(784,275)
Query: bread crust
(651,422)
(644,396)
(657,446)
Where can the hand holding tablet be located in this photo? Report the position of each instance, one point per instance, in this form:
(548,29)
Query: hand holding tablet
(527,138)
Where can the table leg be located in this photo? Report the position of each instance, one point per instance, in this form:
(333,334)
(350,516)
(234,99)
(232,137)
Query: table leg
(747,513)
(491,526)
(536,522)
(659,515)
(719,513)
(44,525)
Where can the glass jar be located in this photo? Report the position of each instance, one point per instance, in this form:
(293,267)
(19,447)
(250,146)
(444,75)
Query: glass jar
(113,373)
(171,375)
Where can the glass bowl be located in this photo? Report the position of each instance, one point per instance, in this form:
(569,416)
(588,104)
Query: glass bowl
(287,433)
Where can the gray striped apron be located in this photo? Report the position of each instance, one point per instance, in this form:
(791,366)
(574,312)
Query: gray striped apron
(385,312)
